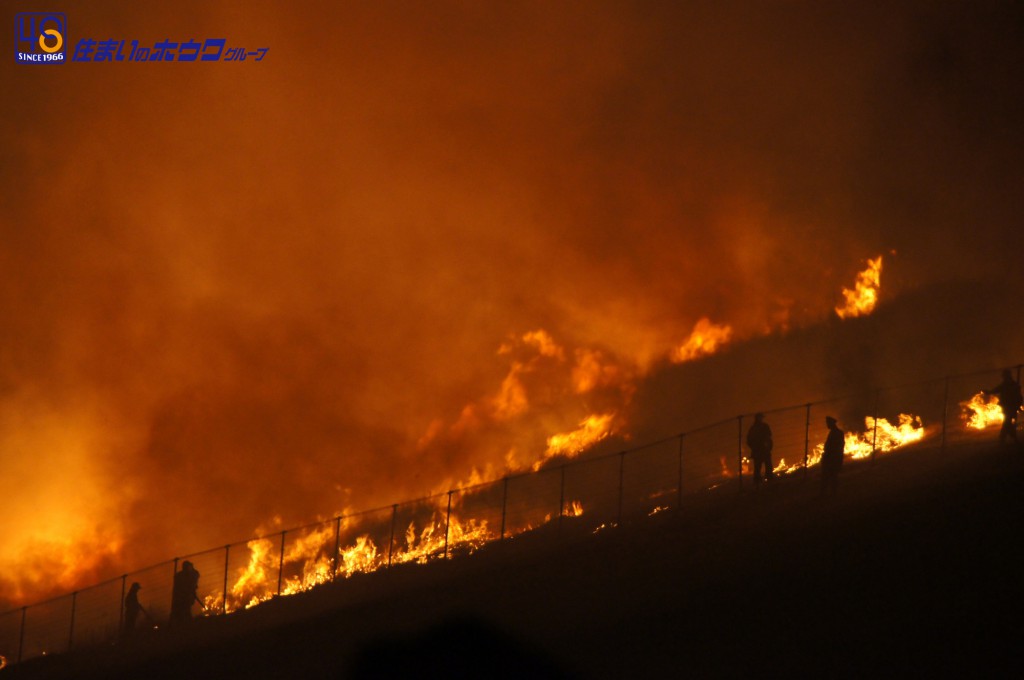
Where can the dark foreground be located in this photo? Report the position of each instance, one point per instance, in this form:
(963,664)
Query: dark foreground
(916,567)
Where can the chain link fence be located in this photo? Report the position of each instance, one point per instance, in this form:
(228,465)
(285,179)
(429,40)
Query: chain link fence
(593,493)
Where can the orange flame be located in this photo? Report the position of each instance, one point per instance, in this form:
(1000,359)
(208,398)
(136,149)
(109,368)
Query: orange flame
(574,509)
(861,300)
(706,338)
(257,581)
(592,429)
(981,411)
(886,437)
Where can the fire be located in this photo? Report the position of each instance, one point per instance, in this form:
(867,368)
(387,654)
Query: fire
(362,556)
(430,541)
(981,411)
(886,437)
(909,430)
(861,300)
(783,468)
(254,584)
(316,564)
(312,553)
(592,429)
(706,338)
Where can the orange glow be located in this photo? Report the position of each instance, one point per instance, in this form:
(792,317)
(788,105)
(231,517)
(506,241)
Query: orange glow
(887,437)
(311,552)
(494,244)
(981,411)
(706,338)
(861,300)
(784,468)
(62,531)
(254,584)
(592,429)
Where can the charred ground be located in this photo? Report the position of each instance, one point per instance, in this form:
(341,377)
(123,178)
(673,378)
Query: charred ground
(914,567)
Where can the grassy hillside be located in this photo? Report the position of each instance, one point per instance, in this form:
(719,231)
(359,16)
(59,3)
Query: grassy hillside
(915,566)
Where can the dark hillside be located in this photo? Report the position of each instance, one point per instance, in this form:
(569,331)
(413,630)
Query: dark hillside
(914,568)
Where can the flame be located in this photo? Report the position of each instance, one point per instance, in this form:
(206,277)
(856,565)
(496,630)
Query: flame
(782,468)
(862,299)
(311,552)
(887,437)
(981,411)
(706,338)
(254,584)
(592,429)
(316,564)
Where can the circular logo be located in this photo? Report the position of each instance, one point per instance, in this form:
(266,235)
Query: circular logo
(53,34)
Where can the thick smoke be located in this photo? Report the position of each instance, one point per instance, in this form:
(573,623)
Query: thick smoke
(241,294)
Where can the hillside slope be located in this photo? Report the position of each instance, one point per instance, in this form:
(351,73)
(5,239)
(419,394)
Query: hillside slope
(914,566)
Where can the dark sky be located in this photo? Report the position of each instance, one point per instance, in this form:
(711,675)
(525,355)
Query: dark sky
(235,292)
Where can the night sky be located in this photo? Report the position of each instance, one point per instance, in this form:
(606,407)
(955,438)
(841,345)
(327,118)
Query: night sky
(417,239)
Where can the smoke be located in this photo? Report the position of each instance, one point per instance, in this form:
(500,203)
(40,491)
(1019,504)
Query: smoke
(235,294)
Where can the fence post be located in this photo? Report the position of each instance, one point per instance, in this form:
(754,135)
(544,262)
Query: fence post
(561,497)
(504,506)
(174,576)
(391,540)
(120,608)
(71,633)
(622,468)
(739,450)
(807,438)
(945,407)
(224,604)
(448,523)
(874,433)
(337,546)
(679,501)
(21,636)
(280,564)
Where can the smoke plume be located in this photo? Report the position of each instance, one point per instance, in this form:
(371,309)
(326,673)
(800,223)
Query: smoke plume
(417,241)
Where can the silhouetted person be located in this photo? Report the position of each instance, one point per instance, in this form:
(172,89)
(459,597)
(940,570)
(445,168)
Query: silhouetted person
(1008,393)
(183,594)
(132,608)
(832,456)
(759,439)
